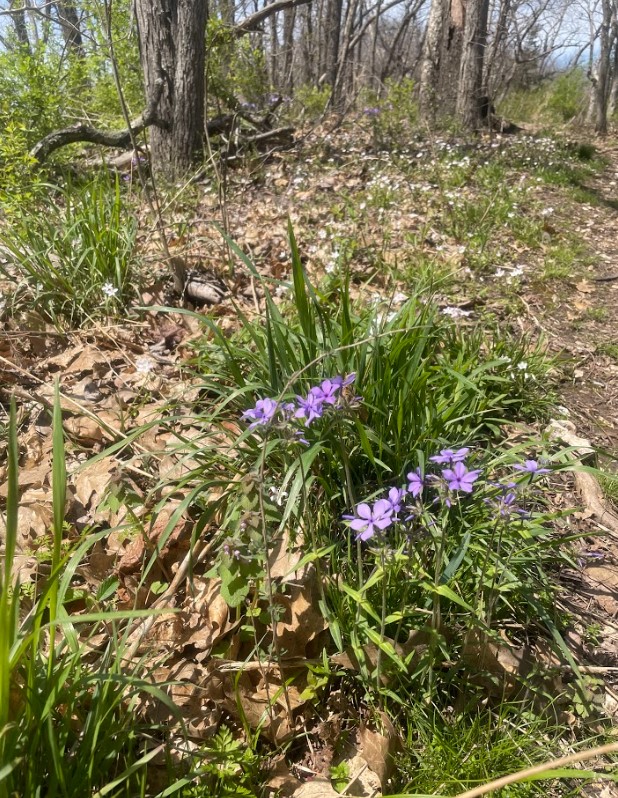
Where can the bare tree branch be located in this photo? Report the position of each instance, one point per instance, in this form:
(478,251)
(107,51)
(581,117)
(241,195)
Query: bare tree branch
(86,133)
(253,21)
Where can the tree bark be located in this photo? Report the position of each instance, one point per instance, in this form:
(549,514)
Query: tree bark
(333,34)
(441,60)
(289,22)
(470,87)
(18,15)
(69,24)
(173,49)
(602,78)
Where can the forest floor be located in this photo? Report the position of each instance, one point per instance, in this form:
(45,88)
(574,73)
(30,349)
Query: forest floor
(528,247)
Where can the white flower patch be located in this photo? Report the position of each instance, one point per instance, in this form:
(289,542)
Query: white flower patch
(455,313)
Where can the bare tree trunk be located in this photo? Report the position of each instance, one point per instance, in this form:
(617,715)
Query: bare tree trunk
(307,70)
(440,66)
(289,20)
(374,44)
(430,66)
(346,44)
(69,24)
(496,43)
(333,34)
(397,43)
(32,13)
(601,82)
(613,90)
(470,87)
(173,50)
(18,16)
(274,52)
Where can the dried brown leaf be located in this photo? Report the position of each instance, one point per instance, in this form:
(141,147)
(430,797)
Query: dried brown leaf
(377,748)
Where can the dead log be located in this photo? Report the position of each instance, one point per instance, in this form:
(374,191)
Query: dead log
(123,139)
(92,135)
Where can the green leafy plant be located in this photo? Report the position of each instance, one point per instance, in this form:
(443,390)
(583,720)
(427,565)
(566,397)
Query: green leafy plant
(393,114)
(420,380)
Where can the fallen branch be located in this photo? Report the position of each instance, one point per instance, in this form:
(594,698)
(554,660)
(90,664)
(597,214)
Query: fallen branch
(220,125)
(86,133)
(537,770)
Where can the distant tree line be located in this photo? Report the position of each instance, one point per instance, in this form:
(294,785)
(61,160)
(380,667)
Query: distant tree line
(463,55)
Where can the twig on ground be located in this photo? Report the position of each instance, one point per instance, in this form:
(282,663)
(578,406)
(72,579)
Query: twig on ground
(554,764)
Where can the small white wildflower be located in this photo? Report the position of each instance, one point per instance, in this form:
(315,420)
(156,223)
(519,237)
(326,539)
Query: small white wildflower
(517,271)
(500,272)
(277,495)
(109,290)
(547,211)
(144,365)
(330,268)
(455,313)
(522,365)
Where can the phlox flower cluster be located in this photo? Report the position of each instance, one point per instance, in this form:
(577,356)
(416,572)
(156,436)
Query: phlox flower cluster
(328,395)
(451,480)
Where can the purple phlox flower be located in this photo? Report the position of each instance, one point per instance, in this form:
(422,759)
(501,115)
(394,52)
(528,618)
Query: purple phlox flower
(368,520)
(288,409)
(459,478)
(450,456)
(300,437)
(326,391)
(415,482)
(505,504)
(310,408)
(395,499)
(371,111)
(504,486)
(343,382)
(263,412)
(530,467)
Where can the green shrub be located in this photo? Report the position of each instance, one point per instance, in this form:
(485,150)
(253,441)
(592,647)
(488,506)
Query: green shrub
(557,100)
(393,114)
(567,95)
(235,67)
(311,102)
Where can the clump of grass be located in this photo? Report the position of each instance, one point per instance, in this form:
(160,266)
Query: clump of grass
(608,348)
(449,753)
(71,257)
(421,383)
(69,724)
